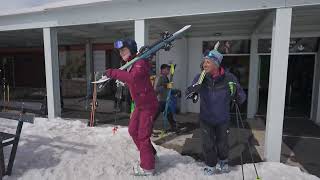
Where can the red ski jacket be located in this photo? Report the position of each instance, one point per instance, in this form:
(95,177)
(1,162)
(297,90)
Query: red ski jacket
(138,81)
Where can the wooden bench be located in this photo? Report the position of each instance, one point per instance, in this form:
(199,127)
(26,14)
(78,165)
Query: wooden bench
(12,139)
(32,107)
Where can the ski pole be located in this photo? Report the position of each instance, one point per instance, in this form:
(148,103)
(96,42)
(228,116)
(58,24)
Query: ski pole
(168,99)
(8,93)
(93,104)
(248,144)
(115,128)
(4,98)
(238,126)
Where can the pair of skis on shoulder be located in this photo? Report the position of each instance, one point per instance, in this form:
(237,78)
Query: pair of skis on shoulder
(164,43)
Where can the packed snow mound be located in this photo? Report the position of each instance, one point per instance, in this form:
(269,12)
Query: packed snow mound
(69,150)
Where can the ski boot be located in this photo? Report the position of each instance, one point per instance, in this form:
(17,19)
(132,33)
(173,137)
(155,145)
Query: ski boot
(209,171)
(222,166)
(139,171)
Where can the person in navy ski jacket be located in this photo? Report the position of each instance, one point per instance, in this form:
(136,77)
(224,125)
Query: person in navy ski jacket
(137,78)
(217,91)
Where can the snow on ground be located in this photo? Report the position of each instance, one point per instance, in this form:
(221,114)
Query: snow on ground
(69,150)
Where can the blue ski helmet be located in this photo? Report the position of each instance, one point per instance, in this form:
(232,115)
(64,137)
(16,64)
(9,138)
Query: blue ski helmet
(129,43)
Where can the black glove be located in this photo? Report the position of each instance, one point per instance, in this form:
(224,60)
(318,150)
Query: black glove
(192,92)
(195,97)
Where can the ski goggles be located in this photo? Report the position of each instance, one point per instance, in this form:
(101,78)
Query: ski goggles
(215,56)
(118,44)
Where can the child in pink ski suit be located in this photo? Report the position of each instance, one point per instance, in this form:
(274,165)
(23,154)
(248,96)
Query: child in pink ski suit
(146,104)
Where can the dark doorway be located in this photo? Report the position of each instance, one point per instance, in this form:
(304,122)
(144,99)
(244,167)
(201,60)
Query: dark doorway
(239,66)
(298,88)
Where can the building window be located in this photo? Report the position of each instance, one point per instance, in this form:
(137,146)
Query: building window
(297,45)
(228,47)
